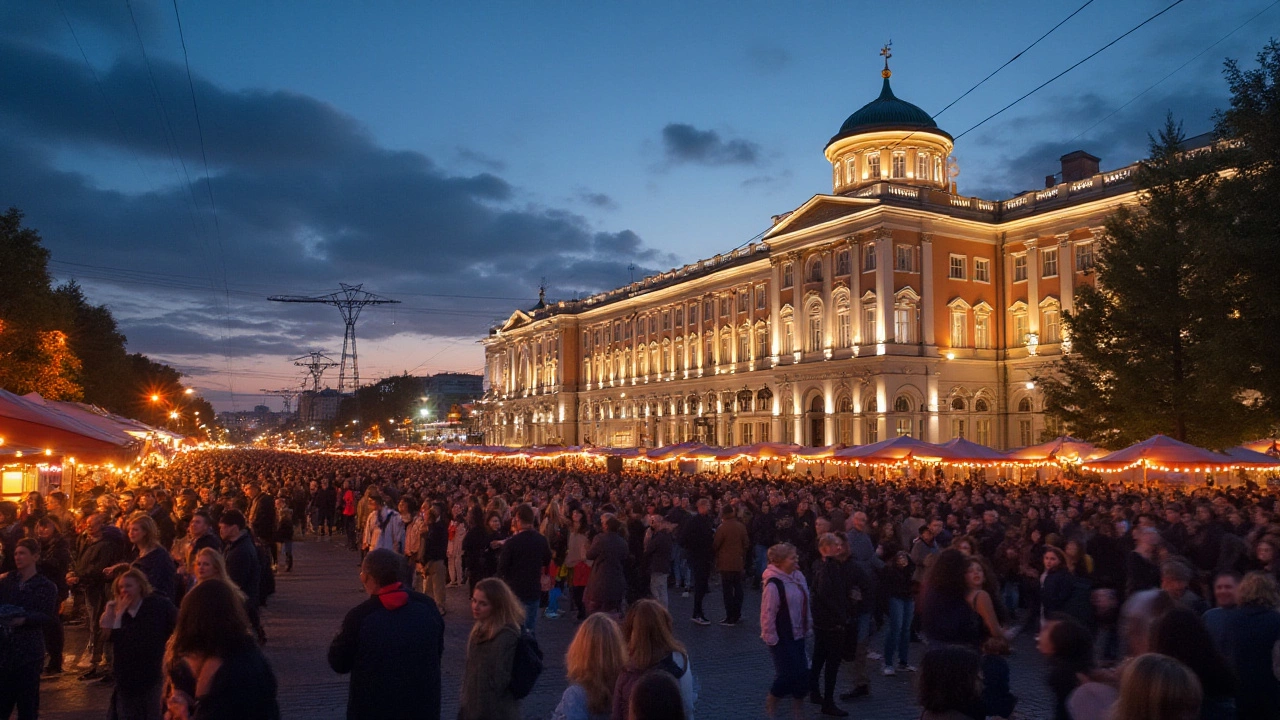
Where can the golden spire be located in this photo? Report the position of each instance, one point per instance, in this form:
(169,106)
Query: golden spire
(886,53)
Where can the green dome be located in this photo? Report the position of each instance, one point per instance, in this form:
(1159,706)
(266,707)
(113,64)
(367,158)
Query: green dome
(886,112)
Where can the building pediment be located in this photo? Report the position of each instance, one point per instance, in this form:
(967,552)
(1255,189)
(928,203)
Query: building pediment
(519,318)
(818,210)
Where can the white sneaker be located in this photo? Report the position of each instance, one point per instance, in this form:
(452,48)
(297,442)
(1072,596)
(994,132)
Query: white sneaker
(873,655)
(888,671)
(903,667)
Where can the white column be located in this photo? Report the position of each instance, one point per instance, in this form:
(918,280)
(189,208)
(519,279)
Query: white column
(1066,273)
(884,284)
(926,288)
(828,310)
(855,290)
(1033,288)
(775,305)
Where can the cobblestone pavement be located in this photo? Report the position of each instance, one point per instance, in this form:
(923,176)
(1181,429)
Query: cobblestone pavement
(731,665)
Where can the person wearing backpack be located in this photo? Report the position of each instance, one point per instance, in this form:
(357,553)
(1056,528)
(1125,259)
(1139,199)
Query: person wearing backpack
(652,647)
(391,644)
(492,648)
(785,621)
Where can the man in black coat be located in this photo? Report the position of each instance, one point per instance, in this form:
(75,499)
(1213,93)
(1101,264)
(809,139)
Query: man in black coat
(262,517)
(242,563)
(391,644)
(522,562)
(696,539)
(101,546)
(434,555)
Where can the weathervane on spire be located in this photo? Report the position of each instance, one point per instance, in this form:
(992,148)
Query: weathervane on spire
(886,53)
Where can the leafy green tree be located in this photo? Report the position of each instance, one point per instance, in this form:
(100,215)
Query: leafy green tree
(1247,249)
(97,341)
(1146,356)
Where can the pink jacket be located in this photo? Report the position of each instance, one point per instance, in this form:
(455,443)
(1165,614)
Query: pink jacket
(797,604)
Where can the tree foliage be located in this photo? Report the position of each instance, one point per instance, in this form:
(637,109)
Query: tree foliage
(1147,344)
(54,341)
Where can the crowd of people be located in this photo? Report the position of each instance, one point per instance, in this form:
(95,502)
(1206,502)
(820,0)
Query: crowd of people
(1146,602)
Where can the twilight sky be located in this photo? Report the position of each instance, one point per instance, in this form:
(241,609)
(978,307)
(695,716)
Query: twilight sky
(451,155)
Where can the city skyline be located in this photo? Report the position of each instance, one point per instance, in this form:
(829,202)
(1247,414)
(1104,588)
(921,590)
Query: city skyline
(558,156)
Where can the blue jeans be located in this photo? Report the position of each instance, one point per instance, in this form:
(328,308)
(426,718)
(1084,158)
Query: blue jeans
(530,613)
(1010,595)
(897,635)
(761,561)
(680,567)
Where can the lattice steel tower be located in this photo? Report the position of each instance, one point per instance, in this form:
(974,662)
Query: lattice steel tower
(316,363)
(350,301)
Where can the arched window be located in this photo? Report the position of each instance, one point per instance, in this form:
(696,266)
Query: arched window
(873,165)
(902,404)
(980,405)
(726,346)
(814,335)
(844,262)
(788,332)
(814,271)
(745,397)
(816,405)
(958,404)
(851,168)
(709,350)
(835,174)
(922,166)
(1024,405)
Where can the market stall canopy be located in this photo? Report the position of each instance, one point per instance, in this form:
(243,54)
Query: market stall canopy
(966,451)
(62,428)
(673,452)
(1252,459)
(1161,452)
(1267,446)
(1063,448)
(898,449)
(816,453)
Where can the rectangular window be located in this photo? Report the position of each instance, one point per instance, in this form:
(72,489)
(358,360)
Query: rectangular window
(762,343)
(982,270)
(904,324)
(724,306)
(1084,257)
(815,334)
(871,431)
(788,337)
(762,298)
(902,426)
(982,432)
(744,347)
(746,433)
(1052,326)
(957,267)
(922,166)
(1019,328)
(904,258)
(868,258)
(899,165)
(666,320)
(1049,262)
(597,338)
(957,429)
(845,328)
(708,310)
(982,331)
(1019,268)
(842,262)
(1024,432)
(868,325)
(744,297)
(693,315)
(873,165)
(958,326)
(788,275)
(679,317)
(764,431)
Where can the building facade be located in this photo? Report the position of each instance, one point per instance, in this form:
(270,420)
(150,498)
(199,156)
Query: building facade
(890,306)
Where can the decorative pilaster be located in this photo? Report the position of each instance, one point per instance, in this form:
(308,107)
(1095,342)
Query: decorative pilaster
(884,283)
(926,289)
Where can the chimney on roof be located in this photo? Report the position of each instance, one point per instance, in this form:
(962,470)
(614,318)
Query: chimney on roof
(1078,165)
(1050,180)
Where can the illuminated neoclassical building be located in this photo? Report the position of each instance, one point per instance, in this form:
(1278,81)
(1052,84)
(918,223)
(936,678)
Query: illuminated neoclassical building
(890,306)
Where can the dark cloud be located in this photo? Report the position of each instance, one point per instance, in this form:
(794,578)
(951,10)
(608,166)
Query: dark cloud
(1081,122)
(768,181)
(304,199)
(478,159)
(597,200)
(683,143)
(766,58)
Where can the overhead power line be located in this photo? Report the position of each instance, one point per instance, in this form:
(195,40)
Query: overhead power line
(1082,61)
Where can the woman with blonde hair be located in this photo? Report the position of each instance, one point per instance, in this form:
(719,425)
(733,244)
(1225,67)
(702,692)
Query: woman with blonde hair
(785,622)
(491,651)
(148,556)
(592,664)
(140,624)
(1157,687)
(652,645)
(209,565)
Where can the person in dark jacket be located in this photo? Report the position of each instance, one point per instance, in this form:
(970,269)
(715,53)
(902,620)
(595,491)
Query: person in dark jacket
(148,556)
(608,555)
(434,554)
(140,623)
(262,516)
(1056,583)
(696,539)
(763,529)
(11,531)
(37,598)
(242,563)
(55,564)
(1252,631)
(659,547)
(101,547)
(830,597)
(216,662)
(523,563)
(391,644)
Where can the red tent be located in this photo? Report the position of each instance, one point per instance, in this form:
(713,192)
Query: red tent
(34,422)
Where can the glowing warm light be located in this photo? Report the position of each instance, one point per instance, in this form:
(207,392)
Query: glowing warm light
(173,415)
(155,398)
(1031,385)
(48,452)
(951,355)
(189,391)
(423,412)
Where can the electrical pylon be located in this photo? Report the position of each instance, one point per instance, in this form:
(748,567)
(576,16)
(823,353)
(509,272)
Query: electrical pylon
(350,301)
(316,363)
